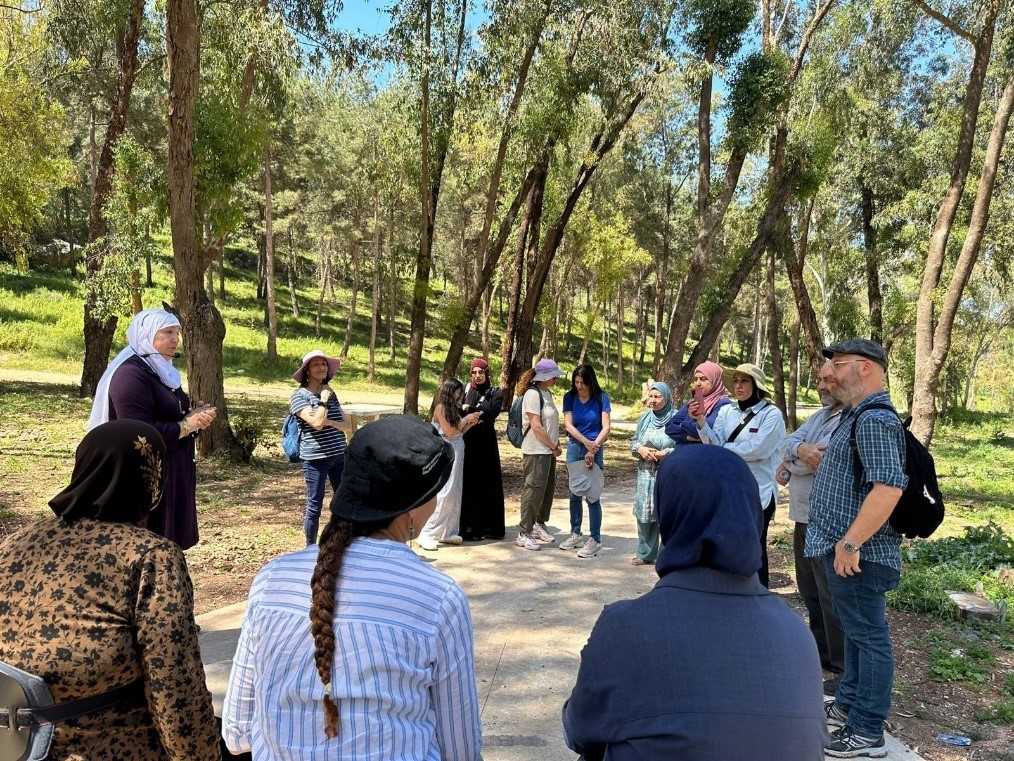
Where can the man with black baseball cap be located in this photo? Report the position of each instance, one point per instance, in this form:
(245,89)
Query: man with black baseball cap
(855,489)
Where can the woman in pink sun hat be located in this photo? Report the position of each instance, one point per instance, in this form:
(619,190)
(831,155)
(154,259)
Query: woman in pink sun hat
(322,430)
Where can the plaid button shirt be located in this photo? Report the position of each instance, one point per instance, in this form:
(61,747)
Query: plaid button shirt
(847,474)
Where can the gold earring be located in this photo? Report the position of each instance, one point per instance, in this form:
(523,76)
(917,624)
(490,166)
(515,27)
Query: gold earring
(411,529)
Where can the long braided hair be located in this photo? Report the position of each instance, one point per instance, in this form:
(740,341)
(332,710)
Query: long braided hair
(338,535)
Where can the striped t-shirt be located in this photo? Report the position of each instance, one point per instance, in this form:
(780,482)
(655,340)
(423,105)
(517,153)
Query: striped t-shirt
(403,676)
(314,444)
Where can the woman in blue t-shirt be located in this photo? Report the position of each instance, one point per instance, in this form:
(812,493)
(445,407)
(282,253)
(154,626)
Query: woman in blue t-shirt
(586,416)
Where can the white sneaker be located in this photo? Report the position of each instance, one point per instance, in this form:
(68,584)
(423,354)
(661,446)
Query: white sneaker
(590,548)
(456,539)
(525,542)
(430,545)
(540,534)
(572,542)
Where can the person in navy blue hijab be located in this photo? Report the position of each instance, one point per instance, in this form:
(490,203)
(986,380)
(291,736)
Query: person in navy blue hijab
(709,664)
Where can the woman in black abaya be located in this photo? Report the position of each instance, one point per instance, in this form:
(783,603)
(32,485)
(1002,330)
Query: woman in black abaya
(482,506)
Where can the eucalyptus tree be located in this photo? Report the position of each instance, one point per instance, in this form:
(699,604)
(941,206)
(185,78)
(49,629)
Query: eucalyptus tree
(760,94)
(32,130)
(96,26)
(497,86)
(203,215)
(429,38)
(612,256)
(600,74)
(975,25)
(715,35)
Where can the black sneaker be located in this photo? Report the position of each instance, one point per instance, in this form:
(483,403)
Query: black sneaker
(836,717)
(831,685)
(847,743)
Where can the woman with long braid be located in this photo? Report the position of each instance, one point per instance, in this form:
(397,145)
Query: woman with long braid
(356,648)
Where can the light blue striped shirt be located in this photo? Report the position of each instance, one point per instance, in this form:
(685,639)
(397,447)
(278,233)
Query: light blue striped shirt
(403,675)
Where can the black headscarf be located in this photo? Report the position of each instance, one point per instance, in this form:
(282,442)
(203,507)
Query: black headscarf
(755,396)
(119,472)
(709,512)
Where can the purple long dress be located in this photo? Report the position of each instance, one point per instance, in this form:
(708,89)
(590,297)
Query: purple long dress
(136,393)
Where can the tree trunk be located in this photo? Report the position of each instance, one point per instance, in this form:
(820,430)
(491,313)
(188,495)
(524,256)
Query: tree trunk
(392,284)
(221,277)
(774,333)
(135,291)
(929,366)
(148,282)
(269,260)
(72,254)
(434,147)
(516,351)
(375,300)
(291,272)
(873,294)
(98,334)
(792,402)
(662,278)
(491,249)
(717,319)
(357,259)
(794,268)
(203,328)
(619,335)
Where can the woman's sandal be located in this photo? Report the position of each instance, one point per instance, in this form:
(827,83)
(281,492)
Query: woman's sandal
(638,561)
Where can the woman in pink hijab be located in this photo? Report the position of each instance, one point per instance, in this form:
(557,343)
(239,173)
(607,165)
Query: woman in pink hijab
(708,388)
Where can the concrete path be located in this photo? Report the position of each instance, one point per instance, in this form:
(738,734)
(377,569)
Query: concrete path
(532,612)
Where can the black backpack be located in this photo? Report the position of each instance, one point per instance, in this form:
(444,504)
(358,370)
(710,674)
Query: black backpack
(920,509)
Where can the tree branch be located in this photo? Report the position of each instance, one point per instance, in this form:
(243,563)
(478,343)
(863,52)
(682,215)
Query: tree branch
(946,21)
(804,45)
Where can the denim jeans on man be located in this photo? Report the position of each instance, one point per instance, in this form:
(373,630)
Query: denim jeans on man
(861,606)
(317,473)
(576,451)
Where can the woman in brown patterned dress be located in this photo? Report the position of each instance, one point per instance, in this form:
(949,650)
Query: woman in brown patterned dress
(90,602)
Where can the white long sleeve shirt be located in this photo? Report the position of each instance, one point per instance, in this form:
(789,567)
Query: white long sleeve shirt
(757,443)
(403,676)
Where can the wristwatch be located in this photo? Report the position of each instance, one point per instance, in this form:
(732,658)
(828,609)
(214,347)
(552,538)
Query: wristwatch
(850,548)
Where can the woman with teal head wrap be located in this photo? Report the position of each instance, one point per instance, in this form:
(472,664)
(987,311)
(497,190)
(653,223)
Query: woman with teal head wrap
(650,446)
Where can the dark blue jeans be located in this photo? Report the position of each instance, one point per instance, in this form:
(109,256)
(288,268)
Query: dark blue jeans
(576,451)
(861,606)
(317,473)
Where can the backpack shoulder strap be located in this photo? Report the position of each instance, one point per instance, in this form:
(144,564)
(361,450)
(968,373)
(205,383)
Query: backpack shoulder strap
(855,420)
(525,426)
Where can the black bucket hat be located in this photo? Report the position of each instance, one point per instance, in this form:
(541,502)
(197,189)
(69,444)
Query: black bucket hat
(391,466)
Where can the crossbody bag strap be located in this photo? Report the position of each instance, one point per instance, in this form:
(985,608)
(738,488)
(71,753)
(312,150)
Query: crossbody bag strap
(739,428)
(34,717)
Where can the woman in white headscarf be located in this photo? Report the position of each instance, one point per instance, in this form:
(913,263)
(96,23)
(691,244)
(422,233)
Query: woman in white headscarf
(142,384)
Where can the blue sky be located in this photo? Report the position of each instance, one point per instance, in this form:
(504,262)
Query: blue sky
(366,16)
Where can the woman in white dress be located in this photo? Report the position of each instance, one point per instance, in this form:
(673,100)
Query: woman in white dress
(442,527)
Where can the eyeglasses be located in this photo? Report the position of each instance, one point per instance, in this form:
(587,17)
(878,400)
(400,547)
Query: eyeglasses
(838,362)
